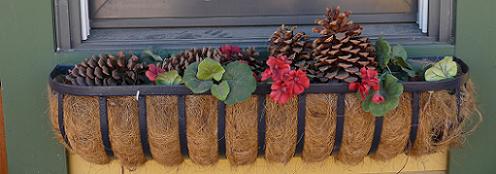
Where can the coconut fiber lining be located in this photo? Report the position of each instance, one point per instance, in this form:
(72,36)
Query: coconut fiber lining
(358,132)
(82,126)
(241,132)
(53,114)
(201,123)
(320,126)
(395,130)
(124,131)
(163,129)
(281,121)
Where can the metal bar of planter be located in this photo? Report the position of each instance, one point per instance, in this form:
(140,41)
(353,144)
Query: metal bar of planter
(104,129)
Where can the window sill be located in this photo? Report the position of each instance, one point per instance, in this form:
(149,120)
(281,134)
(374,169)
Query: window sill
(253,36)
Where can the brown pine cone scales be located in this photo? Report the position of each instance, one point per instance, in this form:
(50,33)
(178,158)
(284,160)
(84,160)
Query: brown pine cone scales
(108,70)
(182,59)
(340,51)
(293,45)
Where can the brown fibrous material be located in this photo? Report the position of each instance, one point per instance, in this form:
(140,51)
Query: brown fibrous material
(163,129)
(82,126)
(201,129)
(242,132)
(358,132)
(280,137)
(395,130)
(439,128)
(124,131)
(320,126)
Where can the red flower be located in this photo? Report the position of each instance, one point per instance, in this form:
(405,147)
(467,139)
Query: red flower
(369,80)
(377,98)
(153,72)
(229,50)
(297,81)
(287,83)
(278,67)
(280,92)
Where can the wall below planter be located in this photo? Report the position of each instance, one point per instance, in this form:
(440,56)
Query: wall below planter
(430,164)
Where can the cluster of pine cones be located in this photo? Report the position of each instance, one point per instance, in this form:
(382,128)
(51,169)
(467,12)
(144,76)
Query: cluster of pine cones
(337,55)
(122,69)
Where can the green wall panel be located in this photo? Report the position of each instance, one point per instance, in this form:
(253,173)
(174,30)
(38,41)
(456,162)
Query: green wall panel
(475,43)
(26,49)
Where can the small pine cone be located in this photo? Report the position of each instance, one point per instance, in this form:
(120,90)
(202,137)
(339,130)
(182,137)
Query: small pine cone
(181,60)
(340,52)
(108,70)
(295,46)
(252,57)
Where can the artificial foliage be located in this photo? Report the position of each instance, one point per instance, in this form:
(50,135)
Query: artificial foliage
(385,99)
(444,69)
(286,83)
(232,83)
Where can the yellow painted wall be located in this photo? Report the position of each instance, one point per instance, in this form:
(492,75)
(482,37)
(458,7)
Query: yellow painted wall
(436,163)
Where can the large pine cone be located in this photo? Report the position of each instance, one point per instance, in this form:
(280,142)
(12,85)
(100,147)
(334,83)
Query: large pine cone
(108,70)
(340,52)
(181,60)
(293,45)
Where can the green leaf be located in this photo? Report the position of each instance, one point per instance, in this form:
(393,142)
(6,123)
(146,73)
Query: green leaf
(150,54)
(210,69)
(400,52)
(383,52)
(169,78)
(241,82)
(444,69)
(221,90)
(194,84)
(391,89)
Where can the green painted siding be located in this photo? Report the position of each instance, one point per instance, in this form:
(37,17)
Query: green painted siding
(27,44)
(476,34)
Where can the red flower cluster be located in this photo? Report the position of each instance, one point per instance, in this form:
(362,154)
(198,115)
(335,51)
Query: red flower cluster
(287,83)
(153,71)
(369,81)
(229,50)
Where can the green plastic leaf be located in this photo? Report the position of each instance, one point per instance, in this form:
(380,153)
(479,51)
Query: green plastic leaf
(399,52)
(383,52)
(194,84)
(444,69)
(391,89)
(221,90)
(210,69)
(169,78)
(241,82)
(153,56)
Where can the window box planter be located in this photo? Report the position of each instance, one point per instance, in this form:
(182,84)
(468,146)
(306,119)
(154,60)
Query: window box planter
(168,123)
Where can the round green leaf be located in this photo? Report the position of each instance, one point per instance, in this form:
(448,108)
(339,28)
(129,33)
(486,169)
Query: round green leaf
(221,90)
(391,90)
(210,69)
(400,52)
(444,69)
(383,52)
(241,82)
(169,78)
(194,84)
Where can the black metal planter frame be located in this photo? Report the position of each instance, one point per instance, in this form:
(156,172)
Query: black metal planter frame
(141,92)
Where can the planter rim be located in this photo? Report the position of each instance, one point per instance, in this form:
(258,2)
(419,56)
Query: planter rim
(262,89)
